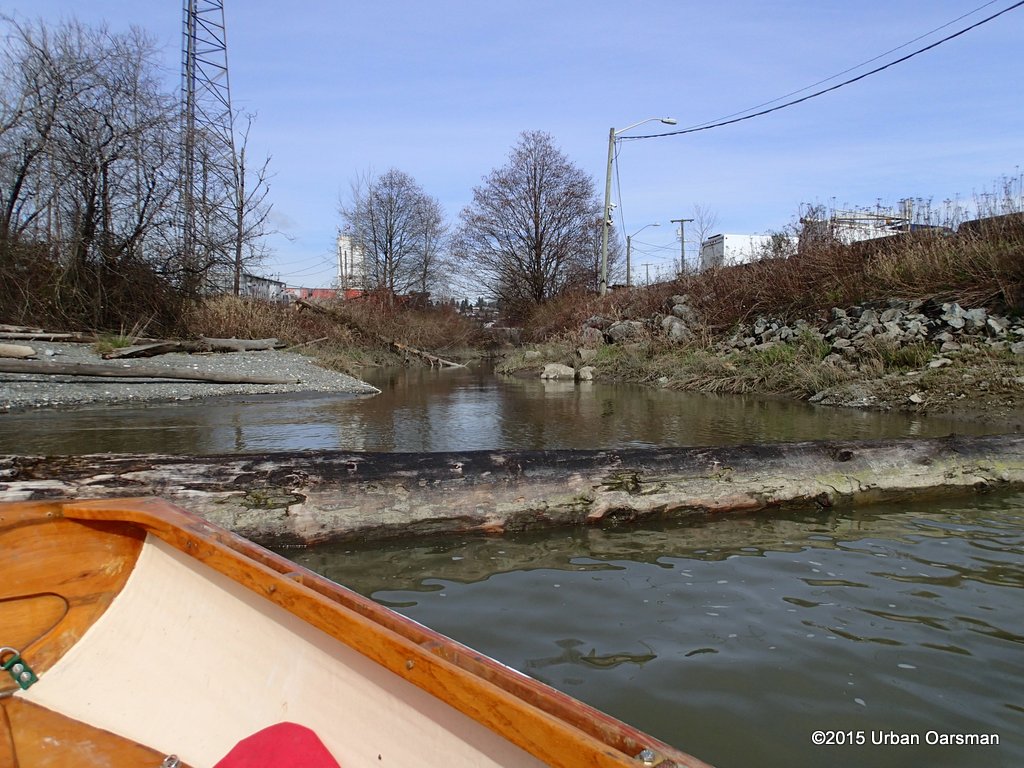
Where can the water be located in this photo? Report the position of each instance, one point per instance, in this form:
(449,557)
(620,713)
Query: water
(432,410)
(737,638)
(734,639)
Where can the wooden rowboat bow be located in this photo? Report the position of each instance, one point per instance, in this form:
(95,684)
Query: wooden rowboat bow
(133,633)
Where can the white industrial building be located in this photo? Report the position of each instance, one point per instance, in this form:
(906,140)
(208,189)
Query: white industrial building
(351,264)
(729,250)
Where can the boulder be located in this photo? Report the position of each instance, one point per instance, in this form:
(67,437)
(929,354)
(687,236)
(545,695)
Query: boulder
(675,328)
(975,320)
(952,315)
(558,371)
(685,313)
(997,326)
(625,330)
(591,337)
(597,321)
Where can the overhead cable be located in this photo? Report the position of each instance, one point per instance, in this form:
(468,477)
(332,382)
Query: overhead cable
(876,70)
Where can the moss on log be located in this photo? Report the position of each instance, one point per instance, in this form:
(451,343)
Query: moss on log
(310,497)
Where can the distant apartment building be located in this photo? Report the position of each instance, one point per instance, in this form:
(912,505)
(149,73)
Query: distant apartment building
(263,288)
(250,286)
(351,265)
(729,250)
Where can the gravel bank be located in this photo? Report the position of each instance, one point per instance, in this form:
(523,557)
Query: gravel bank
(20,392)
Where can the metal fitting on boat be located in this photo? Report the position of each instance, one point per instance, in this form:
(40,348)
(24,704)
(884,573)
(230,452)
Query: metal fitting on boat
(11,661)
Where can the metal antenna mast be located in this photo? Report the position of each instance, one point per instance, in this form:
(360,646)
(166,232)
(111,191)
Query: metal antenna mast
(209,164)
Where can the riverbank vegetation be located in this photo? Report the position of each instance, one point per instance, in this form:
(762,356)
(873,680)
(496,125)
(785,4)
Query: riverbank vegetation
(917,276)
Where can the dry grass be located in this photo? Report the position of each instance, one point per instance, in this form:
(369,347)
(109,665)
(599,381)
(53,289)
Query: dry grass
(347,335)
(441,330)
(784,369)
(232,317)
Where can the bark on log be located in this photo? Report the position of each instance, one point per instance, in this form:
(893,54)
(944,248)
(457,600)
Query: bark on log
(134,372)
(310,497)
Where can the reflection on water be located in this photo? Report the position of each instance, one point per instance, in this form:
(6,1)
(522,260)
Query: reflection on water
(462,409)
(736,638)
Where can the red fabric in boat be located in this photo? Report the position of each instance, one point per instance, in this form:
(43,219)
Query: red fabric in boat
(285,745)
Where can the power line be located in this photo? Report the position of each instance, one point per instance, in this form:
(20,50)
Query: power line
(849,69)
(876,70)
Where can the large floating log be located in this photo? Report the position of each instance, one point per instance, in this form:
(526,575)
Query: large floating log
(309,497)
(133,372)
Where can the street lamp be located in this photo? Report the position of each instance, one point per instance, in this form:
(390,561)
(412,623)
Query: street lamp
(628,239)
(606,223)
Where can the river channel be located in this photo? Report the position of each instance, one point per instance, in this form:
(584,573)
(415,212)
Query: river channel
(464,409)
(736,639)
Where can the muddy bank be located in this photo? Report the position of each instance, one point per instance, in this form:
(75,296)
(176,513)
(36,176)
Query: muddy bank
(311,497)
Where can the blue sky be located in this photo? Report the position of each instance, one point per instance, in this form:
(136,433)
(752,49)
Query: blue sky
(442,91)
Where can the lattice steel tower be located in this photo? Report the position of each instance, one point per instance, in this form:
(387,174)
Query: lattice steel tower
(209,164)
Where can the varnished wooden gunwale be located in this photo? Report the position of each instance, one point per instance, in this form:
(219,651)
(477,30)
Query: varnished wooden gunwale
(548,724)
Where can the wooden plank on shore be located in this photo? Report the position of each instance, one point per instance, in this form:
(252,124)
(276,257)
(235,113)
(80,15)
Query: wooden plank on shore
(45,368)
(314,496)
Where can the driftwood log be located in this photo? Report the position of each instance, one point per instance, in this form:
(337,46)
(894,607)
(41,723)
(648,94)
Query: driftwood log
(310,497)
(77,338)
(204,344)
(19,351)
(440,362)
(433,359)
(134,372)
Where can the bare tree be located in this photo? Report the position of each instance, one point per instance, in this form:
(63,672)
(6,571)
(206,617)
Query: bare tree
(528,234)
(400,231)
(704,223)
(251,211)
(87,148)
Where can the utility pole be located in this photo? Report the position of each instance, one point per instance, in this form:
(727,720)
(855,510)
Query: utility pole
(629,239)
(647,269)
(682,243)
